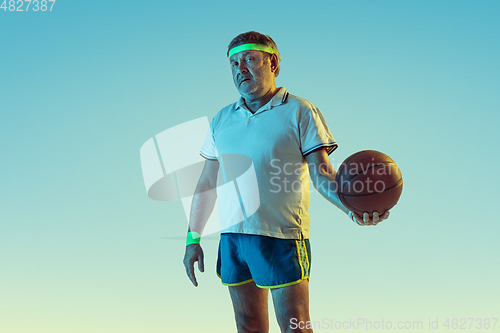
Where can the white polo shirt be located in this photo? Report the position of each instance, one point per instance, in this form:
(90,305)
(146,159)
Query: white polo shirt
(272,142)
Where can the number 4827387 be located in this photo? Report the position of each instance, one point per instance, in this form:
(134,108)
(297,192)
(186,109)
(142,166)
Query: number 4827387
(34,5)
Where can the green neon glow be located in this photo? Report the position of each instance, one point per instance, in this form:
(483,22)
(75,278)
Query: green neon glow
(193,238)
(256,47)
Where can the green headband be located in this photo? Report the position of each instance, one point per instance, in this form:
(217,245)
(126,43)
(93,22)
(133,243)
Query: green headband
(256,47)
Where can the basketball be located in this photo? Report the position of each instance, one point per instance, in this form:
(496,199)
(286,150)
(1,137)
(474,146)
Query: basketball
(369,181)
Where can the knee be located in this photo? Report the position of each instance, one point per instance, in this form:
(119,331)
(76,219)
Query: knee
(251,324)
(294,319)
(295,325)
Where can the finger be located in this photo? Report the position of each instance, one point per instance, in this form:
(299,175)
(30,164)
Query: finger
(201,263)
(192,277)
(190,273)
(386,214)
(366,217)
(359,219)
(376,218)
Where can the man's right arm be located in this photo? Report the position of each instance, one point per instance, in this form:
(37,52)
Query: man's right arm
(204,197)
(202,206)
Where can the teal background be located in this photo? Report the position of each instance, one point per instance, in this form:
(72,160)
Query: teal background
(82,247)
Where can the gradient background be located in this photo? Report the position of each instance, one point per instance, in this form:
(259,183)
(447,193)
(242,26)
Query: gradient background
(82,247)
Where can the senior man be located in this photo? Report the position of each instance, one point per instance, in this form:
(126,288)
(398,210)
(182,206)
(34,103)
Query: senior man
(286,138)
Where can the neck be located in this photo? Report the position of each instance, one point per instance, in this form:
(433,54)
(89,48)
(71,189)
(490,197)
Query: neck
(253,104)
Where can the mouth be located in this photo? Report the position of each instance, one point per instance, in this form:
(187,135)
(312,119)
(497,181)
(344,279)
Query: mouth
(243,80)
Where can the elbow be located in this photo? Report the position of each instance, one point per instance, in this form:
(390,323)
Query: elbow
(318,184)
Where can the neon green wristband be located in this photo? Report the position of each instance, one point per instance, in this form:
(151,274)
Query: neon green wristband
(193,238)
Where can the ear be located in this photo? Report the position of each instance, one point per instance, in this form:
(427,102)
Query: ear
(274,62)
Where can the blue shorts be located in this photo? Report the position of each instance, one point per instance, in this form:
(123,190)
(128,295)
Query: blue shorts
(269,262)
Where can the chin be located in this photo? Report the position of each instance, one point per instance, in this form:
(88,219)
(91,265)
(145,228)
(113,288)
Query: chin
(247,91)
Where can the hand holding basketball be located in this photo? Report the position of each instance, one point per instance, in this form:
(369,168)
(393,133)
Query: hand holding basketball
(369,182)
(367,220)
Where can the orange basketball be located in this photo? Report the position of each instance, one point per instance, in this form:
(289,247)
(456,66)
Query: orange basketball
(369,181)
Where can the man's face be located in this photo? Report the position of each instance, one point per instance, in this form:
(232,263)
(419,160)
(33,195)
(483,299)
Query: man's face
(252,73)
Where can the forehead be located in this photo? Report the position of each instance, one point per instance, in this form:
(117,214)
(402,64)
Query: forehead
(243,54)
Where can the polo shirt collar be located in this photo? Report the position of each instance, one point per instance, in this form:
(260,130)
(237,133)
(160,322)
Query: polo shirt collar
(278,99)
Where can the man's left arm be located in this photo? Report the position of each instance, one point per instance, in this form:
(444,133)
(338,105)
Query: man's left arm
(323,178)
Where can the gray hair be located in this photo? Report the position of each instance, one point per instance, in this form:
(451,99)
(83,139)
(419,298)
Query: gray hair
(256,38)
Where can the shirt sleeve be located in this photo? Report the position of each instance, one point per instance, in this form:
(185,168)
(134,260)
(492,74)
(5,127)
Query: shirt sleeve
(314,132)
(208,150)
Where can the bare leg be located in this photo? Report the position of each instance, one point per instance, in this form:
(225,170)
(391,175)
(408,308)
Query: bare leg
(250,308)
(292,302)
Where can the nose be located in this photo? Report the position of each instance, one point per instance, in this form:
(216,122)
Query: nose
(239,71)
(242,68)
